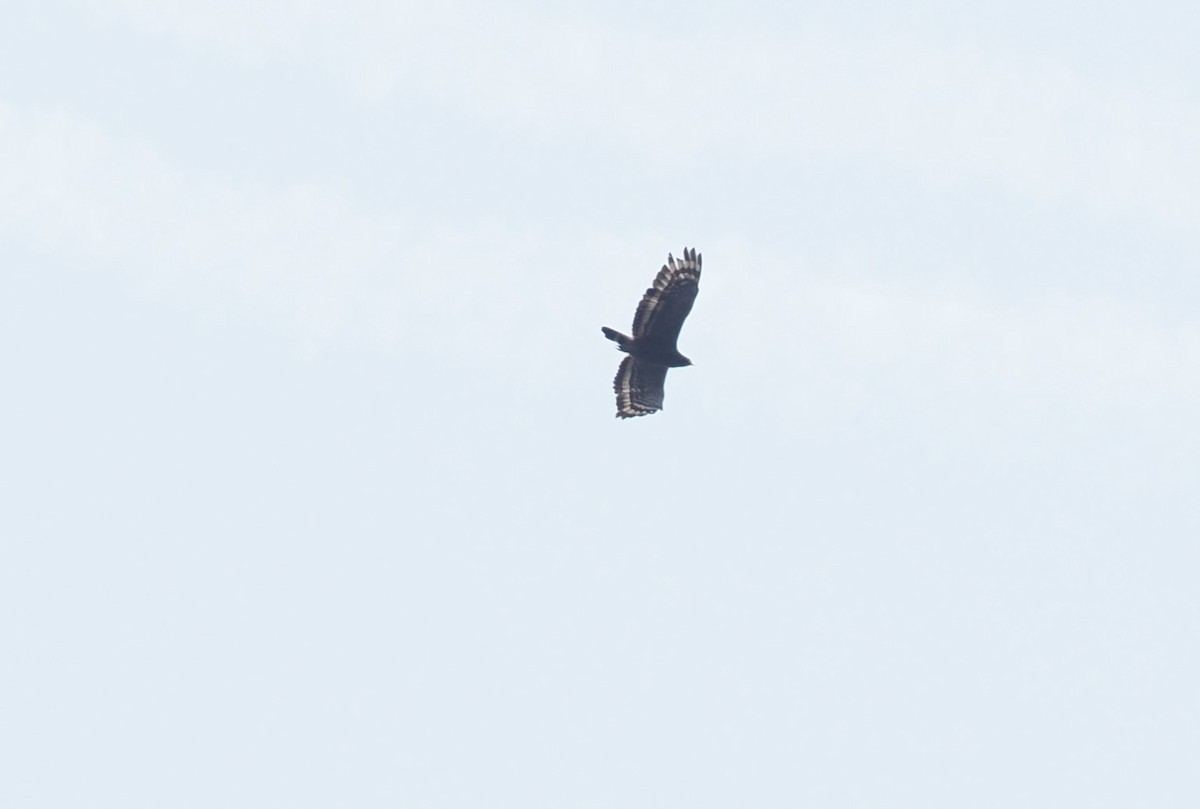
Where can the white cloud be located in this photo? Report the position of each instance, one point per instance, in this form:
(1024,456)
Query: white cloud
(304,258)
(949,113)
(822,344)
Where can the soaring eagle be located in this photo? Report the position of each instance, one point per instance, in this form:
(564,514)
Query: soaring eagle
(656,325)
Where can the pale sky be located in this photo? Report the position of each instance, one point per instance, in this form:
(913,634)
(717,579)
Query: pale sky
(314,496)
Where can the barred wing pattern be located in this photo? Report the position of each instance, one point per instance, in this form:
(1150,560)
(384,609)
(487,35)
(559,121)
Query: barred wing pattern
(656,325)
(639,387)
(665,305)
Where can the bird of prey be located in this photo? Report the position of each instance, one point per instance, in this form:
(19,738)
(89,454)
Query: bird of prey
(656,324)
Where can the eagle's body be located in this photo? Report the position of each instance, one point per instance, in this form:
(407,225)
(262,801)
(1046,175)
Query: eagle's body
(652,348)
(649,352)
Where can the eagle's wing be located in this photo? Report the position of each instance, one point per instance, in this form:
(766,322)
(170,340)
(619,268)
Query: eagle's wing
(639,387)
(663,308)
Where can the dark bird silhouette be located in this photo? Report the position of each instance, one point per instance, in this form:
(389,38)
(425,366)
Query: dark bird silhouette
(652,348)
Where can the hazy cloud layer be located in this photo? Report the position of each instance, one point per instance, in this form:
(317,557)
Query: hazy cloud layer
(314,493)
(956,114)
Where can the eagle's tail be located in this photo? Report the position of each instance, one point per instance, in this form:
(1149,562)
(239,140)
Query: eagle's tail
(620,339)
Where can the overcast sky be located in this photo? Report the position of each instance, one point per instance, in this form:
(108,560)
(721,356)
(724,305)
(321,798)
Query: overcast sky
(313,494)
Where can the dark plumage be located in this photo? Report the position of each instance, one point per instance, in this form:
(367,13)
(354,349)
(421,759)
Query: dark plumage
(660,315)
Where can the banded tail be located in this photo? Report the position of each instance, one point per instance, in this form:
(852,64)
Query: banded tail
(620,339)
